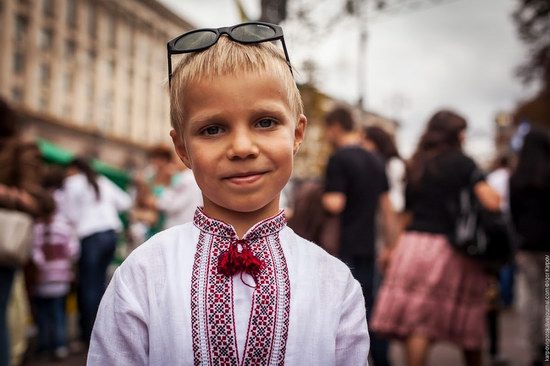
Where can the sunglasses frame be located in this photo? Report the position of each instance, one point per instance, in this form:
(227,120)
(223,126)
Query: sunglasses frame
(172,50)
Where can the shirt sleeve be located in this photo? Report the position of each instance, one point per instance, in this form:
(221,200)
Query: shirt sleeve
(352,338)
(472,173)
(170,202)
(120,335)
(335,179)
(72,202)
(121,199)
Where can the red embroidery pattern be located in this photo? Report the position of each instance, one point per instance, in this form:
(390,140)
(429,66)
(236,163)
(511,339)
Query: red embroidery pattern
(213,329)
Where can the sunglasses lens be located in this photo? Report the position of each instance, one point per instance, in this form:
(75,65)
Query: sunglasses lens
(252,32)
(195,40)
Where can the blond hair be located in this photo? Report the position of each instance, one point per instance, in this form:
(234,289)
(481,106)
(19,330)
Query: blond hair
(227,57)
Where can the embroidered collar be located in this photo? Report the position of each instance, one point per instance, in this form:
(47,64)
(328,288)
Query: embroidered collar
(209,225)
(212,303)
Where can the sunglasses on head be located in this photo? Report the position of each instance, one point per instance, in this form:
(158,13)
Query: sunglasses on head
(246,33)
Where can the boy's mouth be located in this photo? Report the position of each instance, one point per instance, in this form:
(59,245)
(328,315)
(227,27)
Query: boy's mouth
(245,177)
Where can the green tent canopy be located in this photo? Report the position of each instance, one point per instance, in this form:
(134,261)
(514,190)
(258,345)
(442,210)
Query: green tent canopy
(55,154)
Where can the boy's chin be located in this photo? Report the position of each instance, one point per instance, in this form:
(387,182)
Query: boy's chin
(249,207)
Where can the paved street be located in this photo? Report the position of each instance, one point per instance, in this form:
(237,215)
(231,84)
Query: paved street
(513,346)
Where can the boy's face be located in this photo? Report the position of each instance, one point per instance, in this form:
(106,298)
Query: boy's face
(239,137)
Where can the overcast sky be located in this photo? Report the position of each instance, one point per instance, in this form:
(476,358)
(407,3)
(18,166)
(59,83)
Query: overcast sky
(459,54)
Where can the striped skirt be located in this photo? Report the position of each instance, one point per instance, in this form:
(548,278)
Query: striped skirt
(432,291)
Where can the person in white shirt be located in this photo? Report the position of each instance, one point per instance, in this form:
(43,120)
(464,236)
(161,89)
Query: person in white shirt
(180,200)
(236,285)
(92,204)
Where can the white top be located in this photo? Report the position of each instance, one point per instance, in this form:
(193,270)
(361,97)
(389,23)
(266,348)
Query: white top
(88,214)
(499,180)
(396,174)
(180,201)
(168,305)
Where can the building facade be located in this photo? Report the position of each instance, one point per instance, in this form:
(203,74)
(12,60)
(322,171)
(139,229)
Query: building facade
(89,75)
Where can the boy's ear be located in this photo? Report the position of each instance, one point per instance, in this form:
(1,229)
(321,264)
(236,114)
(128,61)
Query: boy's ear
(179,145)
(299,132)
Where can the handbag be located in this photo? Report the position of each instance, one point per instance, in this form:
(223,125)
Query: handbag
(15,237)
(483,235)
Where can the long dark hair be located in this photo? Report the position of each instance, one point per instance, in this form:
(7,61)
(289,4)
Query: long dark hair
(83,165)
(384,142)
(442,135)
(533,167)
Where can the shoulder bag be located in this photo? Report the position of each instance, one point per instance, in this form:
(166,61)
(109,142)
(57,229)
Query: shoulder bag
(483,235)
(15,237)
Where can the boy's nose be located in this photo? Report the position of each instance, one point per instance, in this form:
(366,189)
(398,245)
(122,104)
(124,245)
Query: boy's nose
(242,145)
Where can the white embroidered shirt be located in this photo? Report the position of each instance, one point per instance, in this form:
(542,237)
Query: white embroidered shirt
(168,305)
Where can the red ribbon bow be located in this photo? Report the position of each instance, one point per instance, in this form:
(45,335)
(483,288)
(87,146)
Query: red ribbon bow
(239,259)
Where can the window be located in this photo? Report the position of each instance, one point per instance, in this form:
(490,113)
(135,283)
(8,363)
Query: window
(92,20)
(108,111)
(128,119)
(131,43)
(67,109)
(112,30)
(45,39)
(111,69)
(17,94)
(44,100)
(90,99)
(45,74)
(21,25)
(18,62)
(90,60)
(68,81)
(48,8)
(70,13)
(70,49)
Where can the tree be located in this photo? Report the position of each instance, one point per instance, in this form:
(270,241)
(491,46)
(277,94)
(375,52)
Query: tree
(532,18)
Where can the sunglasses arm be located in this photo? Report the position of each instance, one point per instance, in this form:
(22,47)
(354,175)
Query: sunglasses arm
(170,65)
(286,55)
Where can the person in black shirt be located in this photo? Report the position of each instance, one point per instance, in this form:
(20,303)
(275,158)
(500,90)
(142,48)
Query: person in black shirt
(431,292)
(530,207)
(355,187)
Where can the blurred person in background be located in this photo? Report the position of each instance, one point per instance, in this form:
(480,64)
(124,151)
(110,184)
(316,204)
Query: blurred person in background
(55,248)
(147,219)
(356,186)
(380,142)
(431,292)
(20,178)
(501,287)
(92,204)
(376,139)
(530,208)
(179,201)
(309,218)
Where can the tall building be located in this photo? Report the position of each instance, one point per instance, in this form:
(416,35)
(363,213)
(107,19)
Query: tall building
(89,75)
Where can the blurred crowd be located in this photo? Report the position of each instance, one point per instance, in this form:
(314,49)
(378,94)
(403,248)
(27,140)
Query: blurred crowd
(387,217)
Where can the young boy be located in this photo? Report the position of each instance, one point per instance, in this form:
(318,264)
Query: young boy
(236,285)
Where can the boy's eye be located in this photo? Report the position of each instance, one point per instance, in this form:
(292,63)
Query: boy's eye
(211,130)
(266,123)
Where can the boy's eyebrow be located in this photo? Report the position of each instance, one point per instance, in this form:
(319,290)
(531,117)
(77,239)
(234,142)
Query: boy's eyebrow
(219,115)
